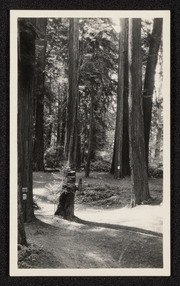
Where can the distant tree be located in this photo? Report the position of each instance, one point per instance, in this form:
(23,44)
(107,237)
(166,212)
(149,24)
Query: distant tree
(38,151)
(56,90)
(159,132)
(90,137)
(98,68)
(120,163)
(26,62)
(140,190)
(155,41)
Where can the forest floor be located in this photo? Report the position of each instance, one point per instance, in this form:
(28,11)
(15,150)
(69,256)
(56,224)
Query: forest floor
(106,232)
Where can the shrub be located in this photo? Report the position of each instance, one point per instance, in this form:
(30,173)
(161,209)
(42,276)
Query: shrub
(53,157)
(100,166)
(155,172)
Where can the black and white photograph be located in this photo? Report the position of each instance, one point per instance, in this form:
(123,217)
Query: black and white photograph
(89,143)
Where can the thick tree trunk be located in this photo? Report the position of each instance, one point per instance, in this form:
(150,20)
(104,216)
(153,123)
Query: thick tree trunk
(125,139)
(71,134)
(90,139)
(65,207)
(120,163)
(26,62)
(149,80)
(66,199)
(140,190)
(21,230)
(38,155)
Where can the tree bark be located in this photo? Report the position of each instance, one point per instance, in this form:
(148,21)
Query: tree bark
(140,190)
(71,133)
(65,207)
(26,61)
(21,230)
(66,199)
(38,152)
(120,162)
(149,80)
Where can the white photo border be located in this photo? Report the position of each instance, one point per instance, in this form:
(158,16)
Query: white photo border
(14,15)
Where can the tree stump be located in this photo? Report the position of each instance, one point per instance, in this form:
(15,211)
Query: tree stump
(65,207)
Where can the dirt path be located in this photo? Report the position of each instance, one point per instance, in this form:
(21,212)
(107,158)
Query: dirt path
(98,238)
(79,245)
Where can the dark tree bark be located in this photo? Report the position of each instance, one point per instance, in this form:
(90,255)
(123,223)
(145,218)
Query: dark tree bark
(120,163)
(21,230)
(71,133)
(149,80)
(26,61)
(38,152)
(66,200)
(140,190)
(65,207)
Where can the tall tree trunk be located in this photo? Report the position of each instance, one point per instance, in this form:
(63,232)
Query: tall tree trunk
(26,63)
(66,198)
(125,139)
(21,230)
(38,152)
(149,80)
(140,190)
(120,163)
(90,139)
(73,91)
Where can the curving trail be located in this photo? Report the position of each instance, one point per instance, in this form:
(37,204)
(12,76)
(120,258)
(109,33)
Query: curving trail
(97,238)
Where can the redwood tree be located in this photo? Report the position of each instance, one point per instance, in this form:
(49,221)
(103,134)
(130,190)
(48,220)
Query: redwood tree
(71,134)
(26,62)
(140,190)
(65,207)
(120,163)
(148,89)
(38,152)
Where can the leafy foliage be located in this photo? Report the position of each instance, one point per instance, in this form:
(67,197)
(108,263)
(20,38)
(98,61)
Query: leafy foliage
(98,67)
